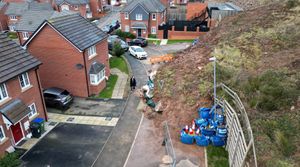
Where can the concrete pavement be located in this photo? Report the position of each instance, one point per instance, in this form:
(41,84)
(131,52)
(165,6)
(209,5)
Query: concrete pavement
(120,86)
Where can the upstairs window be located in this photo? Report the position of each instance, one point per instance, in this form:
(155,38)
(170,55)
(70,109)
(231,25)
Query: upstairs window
(92,51)
(75,7)
(138,17)
(24,80)
(25,35)
(126,16)
(153,16)
(13,17)
(32,110)
(3,92)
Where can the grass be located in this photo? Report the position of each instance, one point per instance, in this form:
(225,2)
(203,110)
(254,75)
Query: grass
(217,157)
(119,63)
(110,85)
(173,41)
(151,41)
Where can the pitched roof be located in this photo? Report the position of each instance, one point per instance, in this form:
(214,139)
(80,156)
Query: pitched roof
(73,2)
(15,111)
(14,60)
(31,20)
(96,67)
(19,8)
(76,29)
(150,6)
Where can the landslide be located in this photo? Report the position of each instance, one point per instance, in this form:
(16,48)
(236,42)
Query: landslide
(258,56)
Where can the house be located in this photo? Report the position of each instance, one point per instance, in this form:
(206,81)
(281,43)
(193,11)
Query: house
(80,6)
(3,17)
(21,98)
(74,53)
(142,17)
(29,22)
(15,11)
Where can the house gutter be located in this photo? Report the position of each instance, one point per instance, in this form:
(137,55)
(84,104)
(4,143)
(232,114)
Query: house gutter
(42,97)
(86,78)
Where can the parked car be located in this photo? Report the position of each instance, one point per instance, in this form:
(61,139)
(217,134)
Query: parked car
(115,24)
(95,22)
(138,42)
(57,97)
(113,39)
(108,29)
(138,52)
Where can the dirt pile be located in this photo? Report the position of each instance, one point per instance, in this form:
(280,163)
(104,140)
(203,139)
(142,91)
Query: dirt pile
(258,56)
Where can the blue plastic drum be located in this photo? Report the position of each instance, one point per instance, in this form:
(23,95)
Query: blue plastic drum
(202,141)
(186,139)
(217,141)
(200,122)
(204,113)
(208,132)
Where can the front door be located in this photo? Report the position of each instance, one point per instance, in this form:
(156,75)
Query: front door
(17,132)
(139,32)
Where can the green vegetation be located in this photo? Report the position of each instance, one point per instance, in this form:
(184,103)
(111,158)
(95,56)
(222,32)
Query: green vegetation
(173,41)
(154,41)
(10,160)
(110,85)
(117,50)
(12,35)
(217,157)
(152,36)
(119,63)
(125,35)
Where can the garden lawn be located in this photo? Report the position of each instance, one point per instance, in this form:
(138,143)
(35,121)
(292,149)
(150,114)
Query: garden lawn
(119,63)
(173,41)
(217,157)
(110,85)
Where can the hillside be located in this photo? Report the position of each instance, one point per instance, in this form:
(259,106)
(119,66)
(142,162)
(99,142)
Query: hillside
(258,56)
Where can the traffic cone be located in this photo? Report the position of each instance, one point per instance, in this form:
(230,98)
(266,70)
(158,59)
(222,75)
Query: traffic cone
(191,131)
(186,129)
(198,131)
(193,126)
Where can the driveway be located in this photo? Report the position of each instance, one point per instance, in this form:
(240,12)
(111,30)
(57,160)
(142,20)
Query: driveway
(96,107)
(68,145)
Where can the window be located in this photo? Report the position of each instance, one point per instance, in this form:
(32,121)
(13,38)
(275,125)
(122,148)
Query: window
(2,134)
(13,17)
(12,28)
(153,30)
(153,16)
(126,16)
(64,7)
(25,35)
(32,110)
(126,28)
(75,7)
(3,92)
(139,17)
(87,6)
(92,51)
(97,78)
(24,80)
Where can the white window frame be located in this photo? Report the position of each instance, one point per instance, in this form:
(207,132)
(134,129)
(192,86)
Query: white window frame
(75,7)
(12,28)
(153,28)
(24,78)
(2,97)
(2,131)
(13,17)
(87,6)
(153,16)
(126,15)
(33,111)
(92,51)
(95,79)
(139,17)
(25,35)
(127,28)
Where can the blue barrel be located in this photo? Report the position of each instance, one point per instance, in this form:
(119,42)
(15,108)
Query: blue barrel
(217,141)
(186,139)
(208,132)
(202,141)
(222,132)
(204,112)
(213,124)
(200,122)
(220,118)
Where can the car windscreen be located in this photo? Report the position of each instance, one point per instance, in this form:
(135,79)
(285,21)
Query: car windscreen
(65,93)
(139,50)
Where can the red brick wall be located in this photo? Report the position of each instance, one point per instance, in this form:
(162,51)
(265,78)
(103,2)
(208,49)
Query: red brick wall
(3,19)
(102,57)
(95,5)
(20,36)
(59,60)
(29,96)
(195,9)
(9,21)
(81,9)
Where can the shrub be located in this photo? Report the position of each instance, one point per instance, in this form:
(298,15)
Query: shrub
(125,35)
(12,35)
(292,3)
(152,36)
(10,160)
(117,50)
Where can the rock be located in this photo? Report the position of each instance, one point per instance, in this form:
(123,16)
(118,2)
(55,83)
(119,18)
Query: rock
(167,159)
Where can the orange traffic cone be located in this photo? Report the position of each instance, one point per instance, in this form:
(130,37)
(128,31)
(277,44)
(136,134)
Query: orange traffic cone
(186,129)
(198,131)
(191,131)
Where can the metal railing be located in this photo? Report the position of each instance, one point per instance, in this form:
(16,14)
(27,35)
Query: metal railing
(239,141)
(168,144)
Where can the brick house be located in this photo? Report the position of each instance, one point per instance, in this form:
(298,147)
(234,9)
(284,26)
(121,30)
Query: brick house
(3,17)
(21,98)
(15,10)
(80,6)
(142,17)
(74,53)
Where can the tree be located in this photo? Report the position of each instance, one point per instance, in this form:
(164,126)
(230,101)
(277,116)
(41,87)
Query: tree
(117,49)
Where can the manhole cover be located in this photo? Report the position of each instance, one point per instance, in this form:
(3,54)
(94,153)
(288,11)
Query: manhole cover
(108,118)
(52,123)
(70,119)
